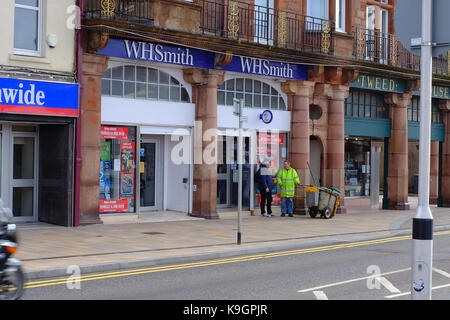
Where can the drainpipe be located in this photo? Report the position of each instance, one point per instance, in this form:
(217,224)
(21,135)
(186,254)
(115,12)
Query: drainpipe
(78,159)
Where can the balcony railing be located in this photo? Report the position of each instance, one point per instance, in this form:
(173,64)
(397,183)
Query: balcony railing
(257,24)
(385,48)
(134,11)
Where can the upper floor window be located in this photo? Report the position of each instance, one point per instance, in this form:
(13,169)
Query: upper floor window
(28,27)
(143,83)
(317,9)
(340,15)
(256,94)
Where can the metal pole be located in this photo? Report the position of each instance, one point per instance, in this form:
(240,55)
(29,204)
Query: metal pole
(240,164)
(423,219)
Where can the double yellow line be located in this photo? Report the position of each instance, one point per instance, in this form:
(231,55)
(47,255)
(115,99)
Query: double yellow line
(62,281)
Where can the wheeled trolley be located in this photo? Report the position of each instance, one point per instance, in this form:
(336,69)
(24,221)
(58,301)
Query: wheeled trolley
(322,200)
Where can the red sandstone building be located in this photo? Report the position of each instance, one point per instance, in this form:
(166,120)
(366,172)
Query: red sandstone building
(341,94)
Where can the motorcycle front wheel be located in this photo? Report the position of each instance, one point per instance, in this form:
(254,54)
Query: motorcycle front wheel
(11,284)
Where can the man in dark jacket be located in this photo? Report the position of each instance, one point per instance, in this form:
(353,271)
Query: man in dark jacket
(265,185)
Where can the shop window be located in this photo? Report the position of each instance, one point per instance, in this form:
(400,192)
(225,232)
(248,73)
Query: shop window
(366,104)
(117,169)
(414,111)
(256,94)
(136,82)
(357,167)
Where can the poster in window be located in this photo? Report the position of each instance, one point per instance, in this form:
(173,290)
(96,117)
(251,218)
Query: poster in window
(105,180)
(126,185)
(127,156)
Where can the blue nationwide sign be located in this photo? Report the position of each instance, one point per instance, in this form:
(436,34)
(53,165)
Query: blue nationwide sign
(196,58)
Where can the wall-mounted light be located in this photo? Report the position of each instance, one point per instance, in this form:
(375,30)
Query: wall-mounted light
(52,40)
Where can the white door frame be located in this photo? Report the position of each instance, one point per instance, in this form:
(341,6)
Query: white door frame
(23,182)
(158,175)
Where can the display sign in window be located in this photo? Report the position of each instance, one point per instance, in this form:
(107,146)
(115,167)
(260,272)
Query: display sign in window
(117,169)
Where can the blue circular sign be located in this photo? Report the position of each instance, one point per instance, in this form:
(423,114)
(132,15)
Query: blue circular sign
(266,116)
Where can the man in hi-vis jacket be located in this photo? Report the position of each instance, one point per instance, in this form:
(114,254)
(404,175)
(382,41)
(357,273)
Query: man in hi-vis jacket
(287,179)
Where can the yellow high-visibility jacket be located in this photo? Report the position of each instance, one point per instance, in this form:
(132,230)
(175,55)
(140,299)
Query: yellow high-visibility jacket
(287,179)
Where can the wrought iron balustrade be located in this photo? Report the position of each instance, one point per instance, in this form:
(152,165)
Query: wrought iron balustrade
(258,24)
(385,48)
(134,11)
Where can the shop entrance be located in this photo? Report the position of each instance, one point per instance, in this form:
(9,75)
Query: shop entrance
(150,170)
(228,173)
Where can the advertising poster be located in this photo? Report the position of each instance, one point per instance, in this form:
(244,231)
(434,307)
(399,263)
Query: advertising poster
(127,164)
(105,180)
(268,150)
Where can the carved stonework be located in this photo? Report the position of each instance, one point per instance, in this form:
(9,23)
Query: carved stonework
(361,44)
(96,41)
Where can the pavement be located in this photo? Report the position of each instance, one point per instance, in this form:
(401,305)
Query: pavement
(127,241)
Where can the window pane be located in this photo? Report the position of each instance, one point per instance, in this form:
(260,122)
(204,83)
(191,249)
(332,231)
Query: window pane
(106,87)
(248,85)
(117,73)
(257,101)
(274,103)
(248,100)
(221,98)
(107,73)
(130,73)
(117,88)
(141,91)
(266,88)
(240,85)
(185,96)
(163,78)
(152,76)
(152,91)
(174,81)
(26,29)
(266,102)
(164,92)
(230,85)
(175,93)
(129,89)
(230,96)
(282,104)
(32,3)
(141,74)
(257,85)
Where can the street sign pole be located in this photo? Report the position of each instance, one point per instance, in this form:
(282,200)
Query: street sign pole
(422,257)
(238,110)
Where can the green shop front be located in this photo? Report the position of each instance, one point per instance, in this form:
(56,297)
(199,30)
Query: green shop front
(368,129)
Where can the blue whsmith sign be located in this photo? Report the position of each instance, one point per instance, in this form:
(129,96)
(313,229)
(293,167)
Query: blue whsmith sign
(196,58)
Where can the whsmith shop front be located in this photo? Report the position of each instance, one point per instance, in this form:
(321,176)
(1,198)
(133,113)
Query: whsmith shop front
(37,149)
(381,142)
(158,105)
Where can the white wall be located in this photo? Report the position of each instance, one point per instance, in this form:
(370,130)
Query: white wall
(226,119)
(147,112)
(55,19)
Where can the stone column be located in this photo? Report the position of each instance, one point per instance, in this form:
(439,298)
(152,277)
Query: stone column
(205,83)
(90,108)
(434,172)
(300,93)
(445,107)
(335,171)
(398,151)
